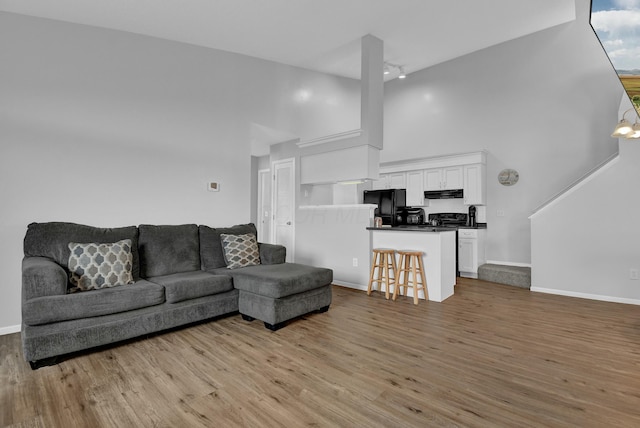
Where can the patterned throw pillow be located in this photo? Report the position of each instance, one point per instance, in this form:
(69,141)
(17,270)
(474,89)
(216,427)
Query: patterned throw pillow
(94,266)
(240,250)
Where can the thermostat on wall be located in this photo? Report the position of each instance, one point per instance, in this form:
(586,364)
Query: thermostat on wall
(213,186)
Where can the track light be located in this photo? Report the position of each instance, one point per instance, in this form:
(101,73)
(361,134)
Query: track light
(390,68)
(625,129)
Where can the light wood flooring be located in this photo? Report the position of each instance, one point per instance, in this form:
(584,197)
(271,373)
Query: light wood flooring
(491,355)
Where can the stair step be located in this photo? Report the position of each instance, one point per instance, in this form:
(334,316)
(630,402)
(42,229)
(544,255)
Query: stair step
(517,276)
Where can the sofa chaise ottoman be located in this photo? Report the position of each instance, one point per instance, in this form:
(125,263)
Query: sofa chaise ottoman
(278,293)
(273,291)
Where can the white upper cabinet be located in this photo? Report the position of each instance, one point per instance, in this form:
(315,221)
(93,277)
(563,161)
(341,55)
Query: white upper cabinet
(397,180)
(381,183)
(415,189)
(474,184)
(443,178)
(465,171)
(452,177)
(433,179)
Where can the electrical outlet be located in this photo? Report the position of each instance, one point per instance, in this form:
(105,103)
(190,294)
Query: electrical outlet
(633,273)
(500,213)
(355,262)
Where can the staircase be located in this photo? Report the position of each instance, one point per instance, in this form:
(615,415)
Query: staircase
(502,274)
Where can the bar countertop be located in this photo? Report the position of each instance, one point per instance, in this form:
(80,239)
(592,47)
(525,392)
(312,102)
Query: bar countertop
(410,228)
(426,228)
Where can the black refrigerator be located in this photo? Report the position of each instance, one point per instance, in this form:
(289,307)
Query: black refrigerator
(389,202)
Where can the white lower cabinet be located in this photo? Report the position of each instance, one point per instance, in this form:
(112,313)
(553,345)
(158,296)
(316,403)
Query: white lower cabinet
(471,253)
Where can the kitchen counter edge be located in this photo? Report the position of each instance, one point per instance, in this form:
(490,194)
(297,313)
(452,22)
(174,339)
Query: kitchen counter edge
(413,229)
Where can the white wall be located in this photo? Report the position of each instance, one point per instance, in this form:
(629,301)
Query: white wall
(543,104)
(110,128)
(585,243)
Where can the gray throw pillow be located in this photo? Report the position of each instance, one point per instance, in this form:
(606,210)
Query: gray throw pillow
(94,265)
(240,250)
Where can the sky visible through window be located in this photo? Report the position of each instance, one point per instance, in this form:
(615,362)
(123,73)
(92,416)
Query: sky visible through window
(617,25)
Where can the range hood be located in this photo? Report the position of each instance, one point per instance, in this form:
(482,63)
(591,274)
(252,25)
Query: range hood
(444,194)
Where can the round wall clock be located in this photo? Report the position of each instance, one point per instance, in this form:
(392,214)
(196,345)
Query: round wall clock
(508,177)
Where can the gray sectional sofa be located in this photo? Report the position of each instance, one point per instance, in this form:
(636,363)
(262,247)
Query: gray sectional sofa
(179,275)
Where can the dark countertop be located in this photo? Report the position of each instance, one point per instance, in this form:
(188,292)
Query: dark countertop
(414,229)
(426,228)
(479,226)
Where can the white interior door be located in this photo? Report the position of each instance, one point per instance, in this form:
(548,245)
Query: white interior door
(283,230)
(264,206)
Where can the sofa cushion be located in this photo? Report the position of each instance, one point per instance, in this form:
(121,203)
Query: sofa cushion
(96,265)
(191,285)
(49,309)
(271,254)
(165,250)
(240,250)
(211,253)
(52,239)
(279,280)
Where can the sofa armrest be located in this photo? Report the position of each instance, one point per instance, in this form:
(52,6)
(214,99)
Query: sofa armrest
(272,254)
(42,277)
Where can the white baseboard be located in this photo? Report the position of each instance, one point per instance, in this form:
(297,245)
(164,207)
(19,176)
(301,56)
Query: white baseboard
(364,288)
(498,262)
(587,296)
(350,285)
(9,330)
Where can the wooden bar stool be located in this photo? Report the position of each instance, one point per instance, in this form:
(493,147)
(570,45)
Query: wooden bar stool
(411,263)
(384,260)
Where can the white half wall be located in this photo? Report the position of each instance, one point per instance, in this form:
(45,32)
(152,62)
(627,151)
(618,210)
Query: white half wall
(334,236)
(585,243)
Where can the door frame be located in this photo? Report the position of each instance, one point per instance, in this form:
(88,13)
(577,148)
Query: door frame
(264,179)
(274,204)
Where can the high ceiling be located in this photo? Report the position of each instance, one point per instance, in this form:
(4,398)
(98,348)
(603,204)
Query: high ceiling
(321,35)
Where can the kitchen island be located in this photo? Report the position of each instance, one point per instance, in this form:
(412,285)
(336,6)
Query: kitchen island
(438,245)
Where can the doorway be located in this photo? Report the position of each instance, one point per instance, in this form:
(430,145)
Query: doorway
(283,226)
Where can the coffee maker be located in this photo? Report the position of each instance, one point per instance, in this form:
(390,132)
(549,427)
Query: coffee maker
(471,218)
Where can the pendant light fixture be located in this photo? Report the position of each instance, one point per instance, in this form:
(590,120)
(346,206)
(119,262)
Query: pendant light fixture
(624,129)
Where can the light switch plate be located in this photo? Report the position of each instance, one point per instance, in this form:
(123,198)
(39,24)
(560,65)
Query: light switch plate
(213,186)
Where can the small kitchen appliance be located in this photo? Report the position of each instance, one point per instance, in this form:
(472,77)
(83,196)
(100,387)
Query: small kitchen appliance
(452,220)
(389,202)
(410,215)
(471,222)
